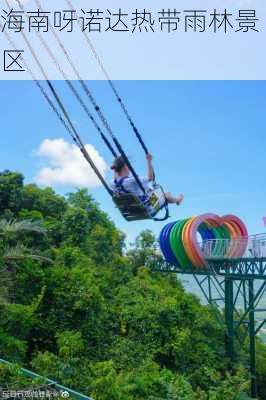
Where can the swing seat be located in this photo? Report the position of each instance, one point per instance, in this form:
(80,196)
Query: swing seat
(131,207)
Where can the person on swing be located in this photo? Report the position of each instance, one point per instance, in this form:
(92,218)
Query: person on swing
(124,182)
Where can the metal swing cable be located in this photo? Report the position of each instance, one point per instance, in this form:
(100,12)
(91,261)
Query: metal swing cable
(51,104)
(94,103)
(84,86)
(74,134)
(114,89)
(75,92)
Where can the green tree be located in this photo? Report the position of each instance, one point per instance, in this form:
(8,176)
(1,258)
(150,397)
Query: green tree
(98,319)
(11,186)
(144,250)
(13,251)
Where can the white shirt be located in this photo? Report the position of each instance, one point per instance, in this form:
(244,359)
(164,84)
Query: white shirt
(130,185)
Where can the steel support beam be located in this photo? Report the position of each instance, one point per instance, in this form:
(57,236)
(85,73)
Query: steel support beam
(232,282)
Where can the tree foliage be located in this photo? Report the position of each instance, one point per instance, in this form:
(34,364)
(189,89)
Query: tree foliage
(97,319)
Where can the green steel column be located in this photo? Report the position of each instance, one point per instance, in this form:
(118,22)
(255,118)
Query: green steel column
(252,335)
(229,317)
(209,290)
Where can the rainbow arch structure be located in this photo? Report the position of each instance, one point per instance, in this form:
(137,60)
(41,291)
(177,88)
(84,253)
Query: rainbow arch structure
(180,245)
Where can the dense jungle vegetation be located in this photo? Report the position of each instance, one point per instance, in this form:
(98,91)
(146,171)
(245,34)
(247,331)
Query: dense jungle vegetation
(81,309)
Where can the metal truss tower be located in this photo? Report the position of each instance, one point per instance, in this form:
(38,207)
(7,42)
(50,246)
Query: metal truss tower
(236,286)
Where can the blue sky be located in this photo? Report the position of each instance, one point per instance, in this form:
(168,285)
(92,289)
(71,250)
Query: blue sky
(208,139)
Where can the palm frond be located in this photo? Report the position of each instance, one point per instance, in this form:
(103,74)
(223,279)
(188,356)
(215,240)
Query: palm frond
(20,252)
(14,226)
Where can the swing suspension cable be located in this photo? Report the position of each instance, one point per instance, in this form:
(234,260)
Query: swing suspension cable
(75,136)
(113,87)
(89,94)
(111,83)
(73,132)
(69,83)
(78,97)
(38,84)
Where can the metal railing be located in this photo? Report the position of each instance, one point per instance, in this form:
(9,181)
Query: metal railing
(64,392)
(249,247)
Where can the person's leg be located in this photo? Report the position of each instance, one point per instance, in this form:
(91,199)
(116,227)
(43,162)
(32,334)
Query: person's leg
(174,200)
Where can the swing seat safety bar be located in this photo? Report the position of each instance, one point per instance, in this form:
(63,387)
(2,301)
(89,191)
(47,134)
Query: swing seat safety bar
(133,209)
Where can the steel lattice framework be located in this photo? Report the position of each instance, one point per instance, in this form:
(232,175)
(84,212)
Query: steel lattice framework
(237,286)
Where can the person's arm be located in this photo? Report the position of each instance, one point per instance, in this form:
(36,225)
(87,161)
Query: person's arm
(150,168)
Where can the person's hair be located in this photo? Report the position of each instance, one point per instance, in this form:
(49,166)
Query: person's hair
(118,164)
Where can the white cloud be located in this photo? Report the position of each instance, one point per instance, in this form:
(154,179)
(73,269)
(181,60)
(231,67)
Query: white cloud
(67,166)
